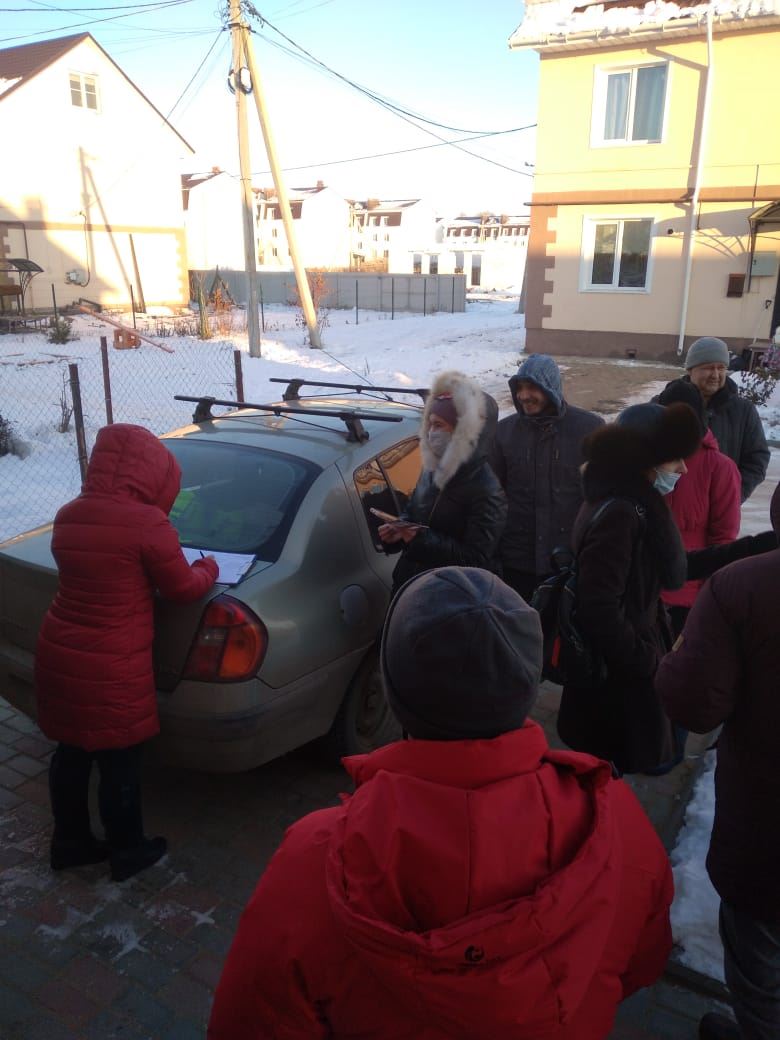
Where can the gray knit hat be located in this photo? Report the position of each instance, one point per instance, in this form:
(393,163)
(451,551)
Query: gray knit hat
(707,350)
(461,655)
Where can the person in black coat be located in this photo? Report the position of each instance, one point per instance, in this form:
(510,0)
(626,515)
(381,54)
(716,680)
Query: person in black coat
(625,557)
(457,511)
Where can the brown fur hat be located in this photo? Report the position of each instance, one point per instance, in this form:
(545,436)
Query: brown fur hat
(644,436)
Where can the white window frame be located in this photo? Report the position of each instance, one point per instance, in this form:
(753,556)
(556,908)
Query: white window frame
(83,78)
(601,74)
(589,225)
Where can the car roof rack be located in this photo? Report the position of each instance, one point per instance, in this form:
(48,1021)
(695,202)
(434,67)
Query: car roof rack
(294,386)
(350,417)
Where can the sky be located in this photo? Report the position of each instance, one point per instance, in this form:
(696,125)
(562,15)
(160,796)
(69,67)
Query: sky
(446,60)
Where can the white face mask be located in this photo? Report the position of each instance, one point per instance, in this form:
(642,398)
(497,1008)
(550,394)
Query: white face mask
(665,481)
(438,441)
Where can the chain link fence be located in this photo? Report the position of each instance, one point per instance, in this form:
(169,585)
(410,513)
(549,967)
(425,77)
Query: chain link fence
(46,437)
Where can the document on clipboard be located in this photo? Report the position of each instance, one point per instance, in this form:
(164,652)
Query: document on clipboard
(232,566)
(388,518)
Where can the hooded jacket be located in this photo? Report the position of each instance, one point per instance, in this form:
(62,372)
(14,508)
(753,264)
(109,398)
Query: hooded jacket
(706,507)
(483,888)
(725,671)
(537,459)
(457,497)
(736,426)
(113,546)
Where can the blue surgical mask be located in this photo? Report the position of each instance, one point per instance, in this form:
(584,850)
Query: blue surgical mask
(438,440)
(665,481)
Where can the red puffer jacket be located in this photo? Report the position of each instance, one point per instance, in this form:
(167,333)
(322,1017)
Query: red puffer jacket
(706,507)
(467,889)
(113,545)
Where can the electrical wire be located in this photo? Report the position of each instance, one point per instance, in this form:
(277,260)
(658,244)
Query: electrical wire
(92,21)
(216,40)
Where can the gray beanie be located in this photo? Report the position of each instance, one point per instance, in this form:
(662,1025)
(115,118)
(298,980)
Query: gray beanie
(707,350)
(461,655)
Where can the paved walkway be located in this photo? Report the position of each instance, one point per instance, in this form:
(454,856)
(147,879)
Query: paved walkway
(84,959)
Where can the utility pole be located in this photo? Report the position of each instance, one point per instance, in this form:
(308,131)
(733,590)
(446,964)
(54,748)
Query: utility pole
(238,30)
(304,292)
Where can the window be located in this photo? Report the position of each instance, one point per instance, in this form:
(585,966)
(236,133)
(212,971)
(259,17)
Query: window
(628,104)
(476,269)
(417,263)
(433,266)
(459,261)
(83,91)
(387,483)
(616,255)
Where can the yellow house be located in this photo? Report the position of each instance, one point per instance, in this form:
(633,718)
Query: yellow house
(655,215)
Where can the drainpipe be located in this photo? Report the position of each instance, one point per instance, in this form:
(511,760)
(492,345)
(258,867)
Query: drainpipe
(690,235)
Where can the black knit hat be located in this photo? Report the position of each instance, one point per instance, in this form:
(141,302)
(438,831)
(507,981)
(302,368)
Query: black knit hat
(461,655)
(681,391)
(644,436)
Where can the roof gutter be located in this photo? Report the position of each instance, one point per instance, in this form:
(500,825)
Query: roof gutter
(701,138)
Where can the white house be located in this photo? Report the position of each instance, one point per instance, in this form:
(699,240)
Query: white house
(321,220)
(490,250)
(213,220)
(90,186)
(387,235)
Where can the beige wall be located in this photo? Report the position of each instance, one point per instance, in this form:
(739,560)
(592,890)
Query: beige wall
(81,181)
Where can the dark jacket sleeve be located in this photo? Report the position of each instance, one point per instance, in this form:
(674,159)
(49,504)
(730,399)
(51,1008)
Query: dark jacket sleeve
(168,569)
(704,562)
(604,564)
(754,455)
(497,457)
(479,544)
(697,682)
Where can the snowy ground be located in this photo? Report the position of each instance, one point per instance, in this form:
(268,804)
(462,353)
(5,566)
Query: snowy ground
(485,342)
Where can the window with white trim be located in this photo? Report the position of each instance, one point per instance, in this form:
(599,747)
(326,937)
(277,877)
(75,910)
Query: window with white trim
(83,91)
(629,104)
(616,255)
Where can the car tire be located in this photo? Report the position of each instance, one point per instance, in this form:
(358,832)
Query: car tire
(364,720)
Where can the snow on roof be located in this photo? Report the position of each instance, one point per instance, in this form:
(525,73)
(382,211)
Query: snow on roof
(551,22)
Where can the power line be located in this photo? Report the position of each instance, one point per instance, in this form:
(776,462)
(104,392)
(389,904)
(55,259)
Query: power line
(216,40)
(93,21)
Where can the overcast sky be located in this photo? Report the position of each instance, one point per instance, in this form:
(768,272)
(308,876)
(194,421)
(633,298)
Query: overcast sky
(446,60)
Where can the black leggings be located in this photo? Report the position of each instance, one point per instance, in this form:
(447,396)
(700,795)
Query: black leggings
(119,794)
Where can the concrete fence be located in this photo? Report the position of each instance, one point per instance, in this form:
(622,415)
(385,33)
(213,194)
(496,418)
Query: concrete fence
(391,293)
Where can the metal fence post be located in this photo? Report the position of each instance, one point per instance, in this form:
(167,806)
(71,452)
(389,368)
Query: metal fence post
(453,294)
(392,299)
(106,381)
(132,304)
(357,312)
(78,419)
(425,301)
(239,376)
(54,302)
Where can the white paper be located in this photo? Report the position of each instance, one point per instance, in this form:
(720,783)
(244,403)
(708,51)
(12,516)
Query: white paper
(232,566)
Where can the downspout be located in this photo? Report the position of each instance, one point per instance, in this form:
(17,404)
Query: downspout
(690,236)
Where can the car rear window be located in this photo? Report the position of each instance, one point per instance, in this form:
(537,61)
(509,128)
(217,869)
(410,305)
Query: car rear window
(237,499)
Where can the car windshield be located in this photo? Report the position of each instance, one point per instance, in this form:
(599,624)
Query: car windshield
(237,499)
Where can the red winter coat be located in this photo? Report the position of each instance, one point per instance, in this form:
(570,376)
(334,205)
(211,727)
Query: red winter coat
(467,889)
(706,507)
(113,545)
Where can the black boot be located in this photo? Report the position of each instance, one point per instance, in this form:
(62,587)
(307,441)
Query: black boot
(76,852)
(127,862)
(718,1027)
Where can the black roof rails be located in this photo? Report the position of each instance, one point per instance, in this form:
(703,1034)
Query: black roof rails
(351,418)
(294,385)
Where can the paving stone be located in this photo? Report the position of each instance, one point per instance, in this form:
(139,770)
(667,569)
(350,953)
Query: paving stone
(187,998)
(24,972)
(100,981)
(9,800)
(26,765)
(42,1027)
(146,969)
(182,1030)
(36,746)
(21,724)
(66,1001)
(149,1011)
(6,752)
(112,1024)
(206,968)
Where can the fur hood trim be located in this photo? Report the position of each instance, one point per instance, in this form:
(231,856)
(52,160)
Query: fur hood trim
(472,407)
(669,433)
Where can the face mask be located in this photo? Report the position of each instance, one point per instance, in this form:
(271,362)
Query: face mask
(665,481)
(438,441)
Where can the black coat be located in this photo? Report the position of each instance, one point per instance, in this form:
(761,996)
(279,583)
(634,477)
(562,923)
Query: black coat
(465,519)
(624,560)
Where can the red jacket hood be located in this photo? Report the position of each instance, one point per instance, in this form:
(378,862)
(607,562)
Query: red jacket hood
(130,460)
(519,922)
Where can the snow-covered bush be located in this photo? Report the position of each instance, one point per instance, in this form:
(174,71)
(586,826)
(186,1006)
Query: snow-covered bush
(759,385)
(6,437)
(61,330)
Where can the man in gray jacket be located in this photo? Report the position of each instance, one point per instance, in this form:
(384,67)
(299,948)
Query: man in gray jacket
(732,418)
(537,456)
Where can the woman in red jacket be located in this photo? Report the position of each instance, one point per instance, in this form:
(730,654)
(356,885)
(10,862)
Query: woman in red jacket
(114,545)
(705,502)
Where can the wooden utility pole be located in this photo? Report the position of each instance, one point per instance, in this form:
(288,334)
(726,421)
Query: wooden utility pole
(238,31)
(304,292)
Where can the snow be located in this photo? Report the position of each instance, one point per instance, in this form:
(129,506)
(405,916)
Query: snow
(485,342)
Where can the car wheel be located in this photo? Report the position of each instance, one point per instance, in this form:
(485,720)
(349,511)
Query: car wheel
(364,721)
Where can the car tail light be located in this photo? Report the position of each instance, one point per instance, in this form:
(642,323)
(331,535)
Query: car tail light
(230,643)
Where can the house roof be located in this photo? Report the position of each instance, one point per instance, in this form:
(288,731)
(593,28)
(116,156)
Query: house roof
(18,65)
(551,24)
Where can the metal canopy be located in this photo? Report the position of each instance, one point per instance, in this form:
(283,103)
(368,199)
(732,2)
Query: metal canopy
(25,269)
(761,219)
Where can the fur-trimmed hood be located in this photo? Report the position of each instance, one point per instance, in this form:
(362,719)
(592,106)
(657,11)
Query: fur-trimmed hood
(477,418)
